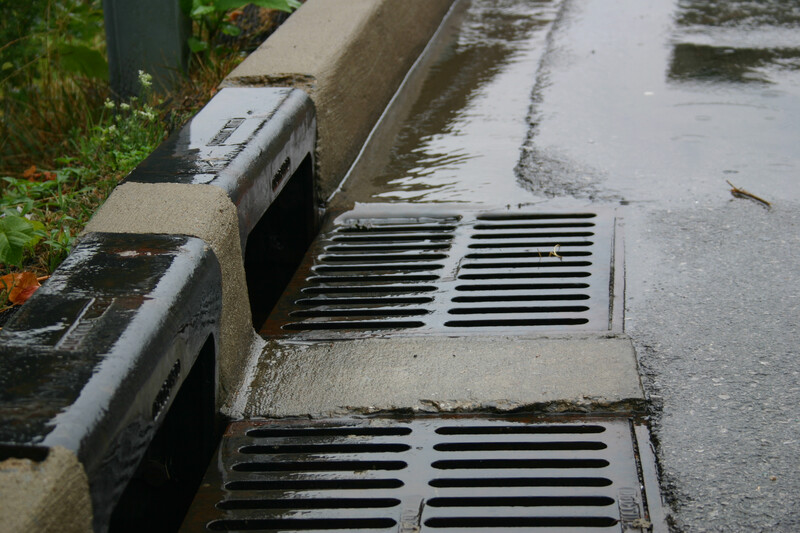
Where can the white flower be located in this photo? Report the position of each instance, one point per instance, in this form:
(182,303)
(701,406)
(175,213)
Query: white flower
(108,104)
(146,114)
(145,79)
(124,106)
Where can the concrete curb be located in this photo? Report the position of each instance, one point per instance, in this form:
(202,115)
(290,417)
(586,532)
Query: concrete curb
(207,185)
(350,73)
(47,496)
(94,360)
(178,209)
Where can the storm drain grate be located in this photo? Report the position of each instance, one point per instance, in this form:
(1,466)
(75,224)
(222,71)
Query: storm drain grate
(455,272)
(455,474)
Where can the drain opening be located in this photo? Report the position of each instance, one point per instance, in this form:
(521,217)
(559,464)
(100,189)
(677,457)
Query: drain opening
(516,322)
(301,524)
(361,258)
(318,466)
(524,275)
(369,274)
(534,235)
(540,254)
(518,501)
(522,521)
(519,298)
(520,482)
(388,278)
(289,476)
(358,312)
(533,216)
(372,268)
(461,472)
(326,448)
(518,446)
(354,324)
(478,464)
(537,244)
(367,289)
(504,227)
(346,431)
(389,300)
(311,503)
(315,484)
(519,430)
(519,310)
(543,264)
(523,287)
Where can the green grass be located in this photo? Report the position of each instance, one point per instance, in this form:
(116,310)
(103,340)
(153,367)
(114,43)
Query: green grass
(57,204)
(64,144)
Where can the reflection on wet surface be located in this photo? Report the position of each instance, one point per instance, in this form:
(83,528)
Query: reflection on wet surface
(461,139)
(735,42)
(720,64)
(665,110)
(534,101)
(739,13)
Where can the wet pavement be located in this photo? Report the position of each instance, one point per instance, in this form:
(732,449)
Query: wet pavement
(648,107)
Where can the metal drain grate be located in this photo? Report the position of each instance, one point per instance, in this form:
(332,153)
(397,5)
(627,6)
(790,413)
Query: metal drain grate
(374,275)
(455,474)
(455,272)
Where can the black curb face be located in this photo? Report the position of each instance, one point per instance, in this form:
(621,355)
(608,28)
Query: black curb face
(247,141)
(94,359)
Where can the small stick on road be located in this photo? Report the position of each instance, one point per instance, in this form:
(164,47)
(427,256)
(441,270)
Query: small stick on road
(741,193)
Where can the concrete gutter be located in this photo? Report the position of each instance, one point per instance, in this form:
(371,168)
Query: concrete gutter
(446,374)
(350,56)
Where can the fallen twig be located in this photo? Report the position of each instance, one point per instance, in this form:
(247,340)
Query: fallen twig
(741,193)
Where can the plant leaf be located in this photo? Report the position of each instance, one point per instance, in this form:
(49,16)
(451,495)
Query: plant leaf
(15,233)
(20,286)
(230,29)
(81,59)
(280,5)
(201,11)
(196,45)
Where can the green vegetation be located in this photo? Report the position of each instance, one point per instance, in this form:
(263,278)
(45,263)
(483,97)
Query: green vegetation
(64,141)
(213,18)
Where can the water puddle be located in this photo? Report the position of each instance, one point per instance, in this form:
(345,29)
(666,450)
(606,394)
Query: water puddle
(461,139)
(525,102)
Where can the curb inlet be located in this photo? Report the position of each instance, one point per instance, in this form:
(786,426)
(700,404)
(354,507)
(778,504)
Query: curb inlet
(453,273)
(461,473)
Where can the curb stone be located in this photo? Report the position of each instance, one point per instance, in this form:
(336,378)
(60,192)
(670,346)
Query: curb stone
(221,188)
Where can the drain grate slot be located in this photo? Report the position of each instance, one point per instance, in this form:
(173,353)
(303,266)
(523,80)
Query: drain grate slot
(521,482)
(400,272)
(518,501)
(460,472)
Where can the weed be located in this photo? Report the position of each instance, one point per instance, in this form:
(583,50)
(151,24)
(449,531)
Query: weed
(214,18)
(55,114)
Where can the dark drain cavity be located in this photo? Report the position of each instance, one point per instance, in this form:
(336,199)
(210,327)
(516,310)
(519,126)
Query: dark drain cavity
(467,272)
(424,474)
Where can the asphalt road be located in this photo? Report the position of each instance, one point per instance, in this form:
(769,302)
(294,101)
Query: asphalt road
(649,107)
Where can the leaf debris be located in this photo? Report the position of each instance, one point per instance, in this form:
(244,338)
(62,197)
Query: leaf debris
(741,193)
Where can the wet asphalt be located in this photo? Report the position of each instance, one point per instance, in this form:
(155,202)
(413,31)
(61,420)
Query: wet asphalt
(648,107)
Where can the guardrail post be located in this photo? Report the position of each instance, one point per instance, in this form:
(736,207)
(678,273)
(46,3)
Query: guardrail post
(148,35)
